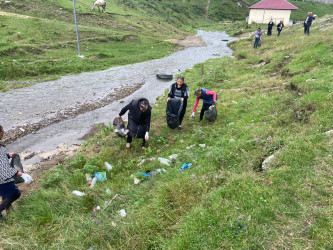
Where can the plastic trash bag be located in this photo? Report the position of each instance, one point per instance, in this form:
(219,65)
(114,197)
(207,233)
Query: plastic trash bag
(16,163)
(101,176)
(173,110)
(120,128)
(211,113)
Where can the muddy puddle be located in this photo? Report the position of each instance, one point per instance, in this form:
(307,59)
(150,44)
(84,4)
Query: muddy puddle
(47,114)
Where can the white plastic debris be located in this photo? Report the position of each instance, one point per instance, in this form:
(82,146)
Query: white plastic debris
(123,213)
(136,181)
(164,161)
(108,166)
(78,193)
(108,191)
(202,145)
(173,156)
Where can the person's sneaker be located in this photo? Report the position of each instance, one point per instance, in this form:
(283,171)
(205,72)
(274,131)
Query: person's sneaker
(128,145)
(179,127)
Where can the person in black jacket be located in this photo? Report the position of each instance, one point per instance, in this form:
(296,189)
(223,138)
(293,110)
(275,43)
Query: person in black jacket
(179,90)
(139,116)
(307,23)
(279,27)
(269,28)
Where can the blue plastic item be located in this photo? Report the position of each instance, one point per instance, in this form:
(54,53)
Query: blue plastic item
(185,166)
(146,175)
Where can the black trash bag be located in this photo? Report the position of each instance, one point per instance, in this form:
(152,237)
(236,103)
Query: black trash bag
(16,163)
(120,128)
(173,110)
(211,113)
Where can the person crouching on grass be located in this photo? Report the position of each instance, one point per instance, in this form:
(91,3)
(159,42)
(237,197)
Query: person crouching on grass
(209,98)
(139,116)
(8,190)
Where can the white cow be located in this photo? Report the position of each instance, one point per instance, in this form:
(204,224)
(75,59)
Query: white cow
(99,3)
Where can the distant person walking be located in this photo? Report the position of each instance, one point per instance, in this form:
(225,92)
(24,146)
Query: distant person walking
(308,22)
(179,90)
(269,28)
(209,98)
(280,27)
(139,116)
(257,38)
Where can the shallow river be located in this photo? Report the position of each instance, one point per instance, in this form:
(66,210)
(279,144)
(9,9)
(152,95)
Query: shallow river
(56,104)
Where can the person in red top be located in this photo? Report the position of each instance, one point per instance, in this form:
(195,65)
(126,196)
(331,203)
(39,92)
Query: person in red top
(209,98)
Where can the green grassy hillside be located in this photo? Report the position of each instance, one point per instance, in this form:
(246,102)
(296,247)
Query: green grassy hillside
(44,46)
(276,100)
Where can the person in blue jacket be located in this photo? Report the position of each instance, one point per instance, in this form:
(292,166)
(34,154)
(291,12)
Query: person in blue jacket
(307,23)
(209,98)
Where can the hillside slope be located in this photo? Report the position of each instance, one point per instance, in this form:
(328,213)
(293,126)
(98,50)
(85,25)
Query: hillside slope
(276,100)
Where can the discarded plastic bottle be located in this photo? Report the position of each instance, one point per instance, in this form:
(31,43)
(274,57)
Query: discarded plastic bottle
(78,193)
(93,182)
(88,178)
(108,166)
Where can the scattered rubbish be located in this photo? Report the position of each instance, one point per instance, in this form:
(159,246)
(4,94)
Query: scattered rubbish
(123,213)
(173,156)
(108,166)
(78,193)
(97,208)
(101,176)
(89,179)
(113,224)
(152,172)
(211,113)
(202,145)
(329,132)
(22,129)
(120,129)
(234,102)
(144,174)
(114,197)
(193,176)
(189,147)
(231,123)
(108,191)
(161,170)
(185,166)
(141,162)
(93,182)
(164,161)
(136,181)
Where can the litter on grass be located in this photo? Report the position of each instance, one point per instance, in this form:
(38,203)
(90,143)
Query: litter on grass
(78,193)
(185,166)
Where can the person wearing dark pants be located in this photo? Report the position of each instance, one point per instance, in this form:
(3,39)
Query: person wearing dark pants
(270,27)
(257,38)
(179,90)
(307,23)
(209,98)
(139,116)
(8,190)
(280,27)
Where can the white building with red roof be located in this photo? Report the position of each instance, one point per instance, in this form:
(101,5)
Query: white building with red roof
(265,10)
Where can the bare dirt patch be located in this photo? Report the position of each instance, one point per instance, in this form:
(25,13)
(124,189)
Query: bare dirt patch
(190,41)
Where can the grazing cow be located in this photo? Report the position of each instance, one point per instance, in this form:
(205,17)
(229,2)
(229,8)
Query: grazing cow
(99,3)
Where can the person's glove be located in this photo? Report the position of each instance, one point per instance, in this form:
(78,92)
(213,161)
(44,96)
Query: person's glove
(193,115)
(147,136)
(27,178)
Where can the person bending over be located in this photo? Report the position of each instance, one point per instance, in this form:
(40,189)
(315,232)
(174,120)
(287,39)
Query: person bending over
(209,98)
(139,116)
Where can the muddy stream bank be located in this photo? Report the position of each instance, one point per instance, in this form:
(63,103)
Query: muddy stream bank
(56,116)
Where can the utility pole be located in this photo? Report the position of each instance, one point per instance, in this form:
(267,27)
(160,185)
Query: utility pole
(77,31)
(263,16)
(207,9)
